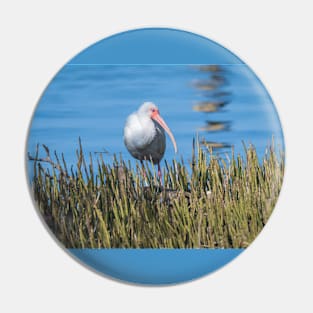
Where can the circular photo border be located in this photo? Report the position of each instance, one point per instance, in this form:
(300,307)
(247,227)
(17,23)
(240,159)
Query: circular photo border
(162,266)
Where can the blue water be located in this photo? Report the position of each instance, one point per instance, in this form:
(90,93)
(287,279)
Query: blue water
(93,102)
(155,266)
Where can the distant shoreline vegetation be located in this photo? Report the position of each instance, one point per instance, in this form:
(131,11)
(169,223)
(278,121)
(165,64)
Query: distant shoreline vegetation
(223,203)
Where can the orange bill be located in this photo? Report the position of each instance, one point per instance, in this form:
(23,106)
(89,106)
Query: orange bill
(160,120)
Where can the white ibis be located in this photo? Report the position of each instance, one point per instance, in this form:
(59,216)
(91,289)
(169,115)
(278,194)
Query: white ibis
(144,135)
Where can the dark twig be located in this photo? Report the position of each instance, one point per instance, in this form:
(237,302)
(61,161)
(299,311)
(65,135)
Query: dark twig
(48,159)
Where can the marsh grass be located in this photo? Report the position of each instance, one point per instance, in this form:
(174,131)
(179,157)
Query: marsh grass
(223,203)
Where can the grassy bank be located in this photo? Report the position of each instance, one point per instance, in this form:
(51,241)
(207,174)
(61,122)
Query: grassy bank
(224,203)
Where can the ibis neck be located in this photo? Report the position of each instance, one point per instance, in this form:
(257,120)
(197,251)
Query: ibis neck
(148,126)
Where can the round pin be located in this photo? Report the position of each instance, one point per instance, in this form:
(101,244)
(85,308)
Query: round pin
(155,156)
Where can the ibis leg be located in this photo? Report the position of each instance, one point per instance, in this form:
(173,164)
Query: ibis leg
(144,174)
(143,169)
(160,173)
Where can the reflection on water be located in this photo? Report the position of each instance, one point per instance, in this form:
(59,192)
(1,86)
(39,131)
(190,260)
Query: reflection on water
(213,126)
(213,68)
(213,145)
(214,93)
(206,106)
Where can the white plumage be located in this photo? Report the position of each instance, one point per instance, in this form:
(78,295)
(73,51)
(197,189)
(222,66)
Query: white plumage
(144,135)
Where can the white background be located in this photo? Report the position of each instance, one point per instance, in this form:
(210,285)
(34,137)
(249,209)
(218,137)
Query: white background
(274,38)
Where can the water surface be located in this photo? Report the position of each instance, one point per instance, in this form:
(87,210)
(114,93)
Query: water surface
(224,105)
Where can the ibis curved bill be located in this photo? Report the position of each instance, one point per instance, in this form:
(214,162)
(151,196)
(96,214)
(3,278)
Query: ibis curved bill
(156,116)
(144,135)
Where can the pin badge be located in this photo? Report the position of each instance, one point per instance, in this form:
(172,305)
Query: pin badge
(155,156)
